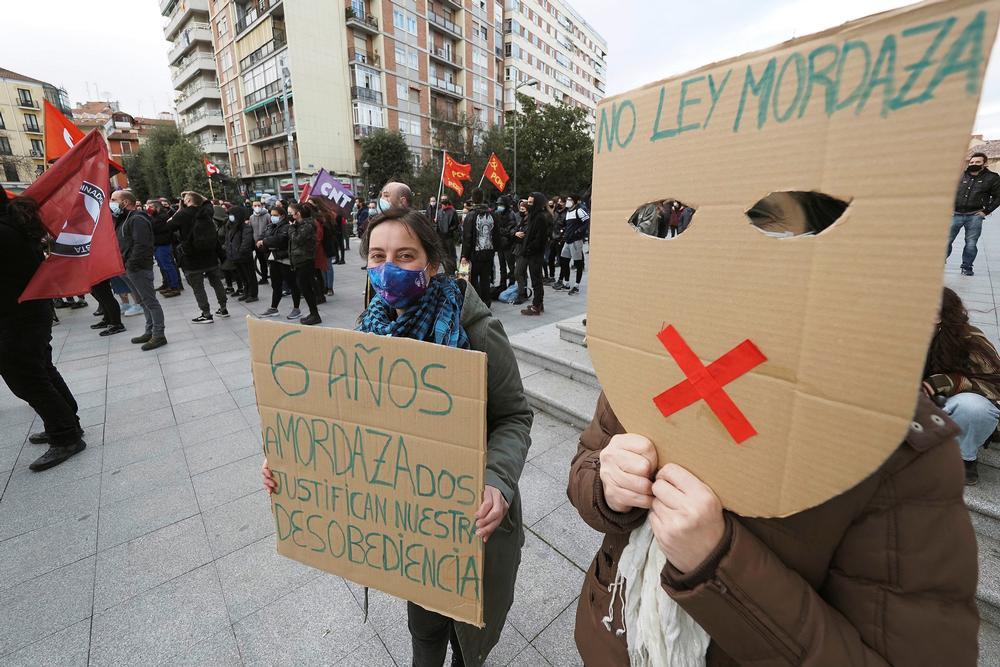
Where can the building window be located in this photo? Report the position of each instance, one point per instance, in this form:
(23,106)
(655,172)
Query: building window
(404,21)
(416,161)
(5,147)
(126,148)
(223,25)
(227,60)
(3,125)
(24,96)
(31,122)
(37,147)
(10,171)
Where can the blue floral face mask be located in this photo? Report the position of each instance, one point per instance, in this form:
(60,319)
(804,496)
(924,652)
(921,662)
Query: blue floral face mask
(400,287)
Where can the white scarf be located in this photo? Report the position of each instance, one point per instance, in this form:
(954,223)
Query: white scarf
(660,632)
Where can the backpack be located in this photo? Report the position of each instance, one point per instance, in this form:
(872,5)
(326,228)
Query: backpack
(204,235)
(645,219)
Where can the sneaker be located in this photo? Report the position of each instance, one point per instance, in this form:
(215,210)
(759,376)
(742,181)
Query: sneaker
(56,455)
(250,299)
(170,293)
(99,312)
(229,290)
(262,281)
(574,290)
(103,324)
(131,310)
(204,318)
(153,343)
(321,298)
(965,272)
(971,473)
(310,320)
(60,304)
(286,292)
(532,310)
(222,312)
(112,330)
(294,314)
(162,287)
(42,437)
(270,312)
(144,338)
(79,304)
(241,298)
(559,286)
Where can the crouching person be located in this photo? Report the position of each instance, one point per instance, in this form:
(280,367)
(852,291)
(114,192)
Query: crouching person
(883,574)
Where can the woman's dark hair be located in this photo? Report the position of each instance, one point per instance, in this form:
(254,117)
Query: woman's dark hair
(820,210)
(418,224)
(306,209)
(22,212)
(955,340)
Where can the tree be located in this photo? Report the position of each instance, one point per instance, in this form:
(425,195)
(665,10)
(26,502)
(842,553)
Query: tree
(185,168)
(555,152)
(166,165)
(388,158)
(136,177)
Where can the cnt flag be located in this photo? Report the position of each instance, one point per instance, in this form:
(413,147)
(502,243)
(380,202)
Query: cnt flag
(454,173)
(211,169)
(495,173)
(72,200)
(61,135)
(326,185)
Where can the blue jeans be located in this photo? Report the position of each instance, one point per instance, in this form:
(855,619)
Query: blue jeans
(164,255)
(973,223)
(328,274)
(977,416)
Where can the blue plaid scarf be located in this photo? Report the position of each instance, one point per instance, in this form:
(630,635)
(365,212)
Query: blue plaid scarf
(436,318)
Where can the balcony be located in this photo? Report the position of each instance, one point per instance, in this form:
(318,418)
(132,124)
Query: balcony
(37,154)
(188,39)
(440,22)
(446,56)
(366,95)
(27,103)
(183,11)
(192,98)
(362,131)
(260,134)
(195,123)
(270,166)
(447,87)
(190,67)
(276,44)
(366,23)
(214,147)
(32,129)
(360,57)
(455,4)
(261,95)
(259,9)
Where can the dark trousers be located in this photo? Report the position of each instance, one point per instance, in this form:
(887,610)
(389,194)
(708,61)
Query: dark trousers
(554,250)
(26,367)
(481,274)
(282,276)
(430,634)
(249,277)
(305,277)
(507,262)
(530,266)
(106,299)
(196,279)
(262,263)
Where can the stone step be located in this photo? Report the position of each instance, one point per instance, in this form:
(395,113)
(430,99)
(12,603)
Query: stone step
(558,396)
(988,594)
(983,501)
(989,645)
(544,348)
(573,330)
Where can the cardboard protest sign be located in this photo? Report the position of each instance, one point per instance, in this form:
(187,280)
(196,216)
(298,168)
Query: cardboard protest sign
(784,371)
(378,446)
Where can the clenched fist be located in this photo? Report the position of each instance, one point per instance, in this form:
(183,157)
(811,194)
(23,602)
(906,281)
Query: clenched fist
(627,467)
(686,517)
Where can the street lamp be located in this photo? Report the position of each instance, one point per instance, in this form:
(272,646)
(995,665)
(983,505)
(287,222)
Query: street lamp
(285,76)
(531,82)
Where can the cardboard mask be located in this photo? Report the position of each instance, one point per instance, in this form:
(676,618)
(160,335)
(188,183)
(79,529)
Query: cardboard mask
(784,371)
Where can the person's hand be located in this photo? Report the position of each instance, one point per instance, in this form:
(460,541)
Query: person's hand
(269,482)
(491,512)
(686,517)
(627,467)
(519,235)
(260,244)
(981,214)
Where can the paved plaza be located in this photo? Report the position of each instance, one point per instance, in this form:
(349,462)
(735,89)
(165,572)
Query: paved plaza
(156,544)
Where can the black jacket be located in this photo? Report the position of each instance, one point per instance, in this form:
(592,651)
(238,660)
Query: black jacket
(20,257)
(135,239)
(446,222)
(239,241)
(536,232)
(470,231)
(507,223)
(183,222)
(162,234)
(276,238)
(576,226)
(302,242)
(978,193)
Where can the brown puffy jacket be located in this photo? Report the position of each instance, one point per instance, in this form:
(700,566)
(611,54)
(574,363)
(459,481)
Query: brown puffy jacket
(884,574)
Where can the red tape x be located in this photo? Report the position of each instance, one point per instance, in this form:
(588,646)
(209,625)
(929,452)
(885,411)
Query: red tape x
(707,383)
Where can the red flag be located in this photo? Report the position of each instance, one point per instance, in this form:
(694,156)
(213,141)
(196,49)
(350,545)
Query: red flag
(304,194)
(210,168)
(73,203)
(495,173)
(61,135)
(454,173)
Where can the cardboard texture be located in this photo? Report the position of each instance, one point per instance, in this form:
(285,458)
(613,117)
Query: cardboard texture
(378,445)
(877,112)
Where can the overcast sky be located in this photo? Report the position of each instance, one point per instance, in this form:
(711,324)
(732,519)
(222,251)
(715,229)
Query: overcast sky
(115,49)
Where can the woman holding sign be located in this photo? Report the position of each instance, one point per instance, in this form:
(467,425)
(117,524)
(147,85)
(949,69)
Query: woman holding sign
(414,300)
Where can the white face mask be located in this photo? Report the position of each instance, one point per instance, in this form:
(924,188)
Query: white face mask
(116,208)
(570,203)
(256,209)
(232,218)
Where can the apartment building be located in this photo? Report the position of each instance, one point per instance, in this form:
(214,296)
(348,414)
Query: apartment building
(22,127)
(547,41)
(123,132)
(349,68)
(193,68)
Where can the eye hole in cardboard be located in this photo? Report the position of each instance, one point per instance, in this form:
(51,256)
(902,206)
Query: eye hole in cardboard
(796,213)
(662,218)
